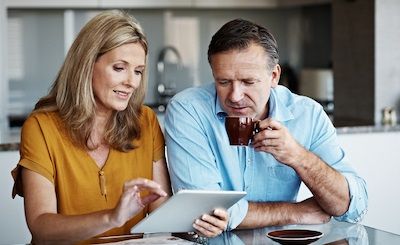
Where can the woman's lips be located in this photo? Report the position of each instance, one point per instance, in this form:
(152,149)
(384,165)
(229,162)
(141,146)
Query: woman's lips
(122,94)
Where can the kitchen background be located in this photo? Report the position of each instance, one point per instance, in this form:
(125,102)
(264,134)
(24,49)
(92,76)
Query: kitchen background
(341,53)
(178,38)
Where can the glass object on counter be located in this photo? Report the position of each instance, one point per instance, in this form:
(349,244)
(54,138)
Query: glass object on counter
(389,116)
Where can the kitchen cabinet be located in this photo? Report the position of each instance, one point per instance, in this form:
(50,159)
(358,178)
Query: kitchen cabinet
(235,4)
(29,4)
(160,3)
(145,3)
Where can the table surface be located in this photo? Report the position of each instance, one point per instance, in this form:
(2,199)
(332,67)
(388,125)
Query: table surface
(334,233)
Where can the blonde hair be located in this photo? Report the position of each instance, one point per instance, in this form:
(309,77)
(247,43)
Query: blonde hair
(71,94)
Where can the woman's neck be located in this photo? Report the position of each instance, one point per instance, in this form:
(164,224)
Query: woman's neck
(97,135)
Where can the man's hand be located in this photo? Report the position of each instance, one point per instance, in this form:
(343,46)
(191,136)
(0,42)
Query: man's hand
(309,212)
(212,225)
(274,138)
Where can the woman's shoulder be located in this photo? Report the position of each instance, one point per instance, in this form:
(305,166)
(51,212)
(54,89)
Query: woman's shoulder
(148,117)
(47,122)
(47,117)
(147,113)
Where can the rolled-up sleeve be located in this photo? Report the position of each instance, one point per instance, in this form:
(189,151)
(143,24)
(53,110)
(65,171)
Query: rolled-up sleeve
(358,199)
(237,213)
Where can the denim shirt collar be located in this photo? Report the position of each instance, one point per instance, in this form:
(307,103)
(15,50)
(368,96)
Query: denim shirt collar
(277,108)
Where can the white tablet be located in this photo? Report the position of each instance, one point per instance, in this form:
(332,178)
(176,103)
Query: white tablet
(179,212)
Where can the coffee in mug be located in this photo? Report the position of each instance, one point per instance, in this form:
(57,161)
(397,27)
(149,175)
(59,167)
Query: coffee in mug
(240,130)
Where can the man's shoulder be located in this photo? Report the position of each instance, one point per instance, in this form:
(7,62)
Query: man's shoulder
(291,99)
(194,95)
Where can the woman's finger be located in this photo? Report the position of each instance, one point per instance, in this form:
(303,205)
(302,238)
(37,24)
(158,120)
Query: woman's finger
(145,184)
(141,182)
(149,198)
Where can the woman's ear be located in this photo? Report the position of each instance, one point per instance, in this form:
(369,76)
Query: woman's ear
(275,75)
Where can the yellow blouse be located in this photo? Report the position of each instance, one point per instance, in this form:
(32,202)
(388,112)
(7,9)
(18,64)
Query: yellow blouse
(46,149)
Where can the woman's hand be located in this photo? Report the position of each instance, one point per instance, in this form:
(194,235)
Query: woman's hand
(212,225)
(131,202)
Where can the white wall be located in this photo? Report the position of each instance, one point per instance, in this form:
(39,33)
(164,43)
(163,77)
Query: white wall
(376,157)
(13,229)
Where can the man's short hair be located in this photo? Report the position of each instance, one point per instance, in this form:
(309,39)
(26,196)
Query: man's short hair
(238,34)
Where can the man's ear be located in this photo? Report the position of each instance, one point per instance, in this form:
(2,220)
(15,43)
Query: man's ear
(275,75)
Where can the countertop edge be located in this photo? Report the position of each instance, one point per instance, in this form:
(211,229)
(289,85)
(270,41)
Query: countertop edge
(14,146)
(368,129)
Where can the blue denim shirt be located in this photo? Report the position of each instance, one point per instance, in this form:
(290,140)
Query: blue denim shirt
(200,157)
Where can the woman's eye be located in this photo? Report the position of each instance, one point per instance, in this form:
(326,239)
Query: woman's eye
(138,72)
(118,68)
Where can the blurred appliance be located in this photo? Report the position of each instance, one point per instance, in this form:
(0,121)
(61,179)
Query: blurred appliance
(172,76)
(317,83)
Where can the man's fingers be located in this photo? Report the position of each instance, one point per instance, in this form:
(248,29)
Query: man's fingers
(223,214)
(206,228)
(269,123)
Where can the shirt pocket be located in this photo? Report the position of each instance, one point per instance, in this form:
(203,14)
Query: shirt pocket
(277,183)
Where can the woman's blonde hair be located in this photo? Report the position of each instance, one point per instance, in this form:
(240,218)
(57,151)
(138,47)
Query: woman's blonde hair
(71,94)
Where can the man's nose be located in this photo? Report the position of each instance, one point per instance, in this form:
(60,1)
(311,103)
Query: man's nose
(236,93)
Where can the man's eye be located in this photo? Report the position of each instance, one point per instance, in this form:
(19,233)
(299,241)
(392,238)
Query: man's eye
(249,82)
(223,82)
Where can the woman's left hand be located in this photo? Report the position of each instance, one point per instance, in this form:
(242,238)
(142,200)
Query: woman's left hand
(212,225)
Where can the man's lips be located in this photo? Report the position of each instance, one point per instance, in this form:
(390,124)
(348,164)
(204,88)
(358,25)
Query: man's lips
(238,110)
(237,107)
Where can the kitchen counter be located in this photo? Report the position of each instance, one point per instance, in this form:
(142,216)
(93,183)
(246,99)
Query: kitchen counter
(10,142)
(368,129)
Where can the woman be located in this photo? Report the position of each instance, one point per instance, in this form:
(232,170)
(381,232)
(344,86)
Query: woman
(90,148)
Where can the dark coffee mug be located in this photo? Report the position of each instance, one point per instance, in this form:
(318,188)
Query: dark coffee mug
(240,130)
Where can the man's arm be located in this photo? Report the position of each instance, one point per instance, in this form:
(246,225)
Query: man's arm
(283,213)
(329,187)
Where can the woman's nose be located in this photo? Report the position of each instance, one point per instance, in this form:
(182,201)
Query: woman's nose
(134,80)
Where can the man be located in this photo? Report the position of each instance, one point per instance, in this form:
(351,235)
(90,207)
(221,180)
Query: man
(297,142)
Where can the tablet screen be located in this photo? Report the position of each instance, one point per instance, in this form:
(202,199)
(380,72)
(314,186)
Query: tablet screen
(179,212)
